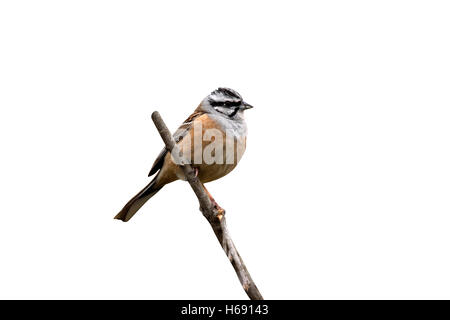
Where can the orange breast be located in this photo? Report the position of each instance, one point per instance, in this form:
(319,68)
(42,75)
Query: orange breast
(209,149)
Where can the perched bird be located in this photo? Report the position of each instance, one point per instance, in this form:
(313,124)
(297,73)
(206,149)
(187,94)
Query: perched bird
(212,139)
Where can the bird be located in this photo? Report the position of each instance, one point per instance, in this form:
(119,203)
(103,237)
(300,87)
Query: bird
(212,139)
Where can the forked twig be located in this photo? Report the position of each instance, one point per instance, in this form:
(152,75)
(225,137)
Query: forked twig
(215,217)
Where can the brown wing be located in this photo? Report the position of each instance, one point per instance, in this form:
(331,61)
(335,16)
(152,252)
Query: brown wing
(178,136)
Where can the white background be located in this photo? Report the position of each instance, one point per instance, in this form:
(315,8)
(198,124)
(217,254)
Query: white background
(344,188)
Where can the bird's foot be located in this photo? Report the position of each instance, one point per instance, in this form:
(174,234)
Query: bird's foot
(220,212)
(219,209)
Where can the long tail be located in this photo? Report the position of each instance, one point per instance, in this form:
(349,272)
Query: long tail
(137,202)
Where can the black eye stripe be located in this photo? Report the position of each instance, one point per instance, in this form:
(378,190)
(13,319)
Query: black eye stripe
(225,103)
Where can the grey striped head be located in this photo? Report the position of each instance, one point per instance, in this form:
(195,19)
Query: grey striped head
(227,101)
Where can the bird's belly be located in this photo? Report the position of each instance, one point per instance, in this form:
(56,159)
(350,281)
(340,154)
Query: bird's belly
(217,162)
(211,172)
(208,172)
(215,150)
(232,152)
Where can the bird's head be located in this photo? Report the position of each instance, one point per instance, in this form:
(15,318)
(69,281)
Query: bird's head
(225,101)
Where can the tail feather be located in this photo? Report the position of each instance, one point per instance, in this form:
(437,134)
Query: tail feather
(137,202)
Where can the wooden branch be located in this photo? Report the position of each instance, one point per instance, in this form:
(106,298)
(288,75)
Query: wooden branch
(215,217)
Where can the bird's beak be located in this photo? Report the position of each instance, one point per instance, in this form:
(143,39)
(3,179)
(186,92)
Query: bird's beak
(245,106)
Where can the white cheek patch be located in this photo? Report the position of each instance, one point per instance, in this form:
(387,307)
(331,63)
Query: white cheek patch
(224,110)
